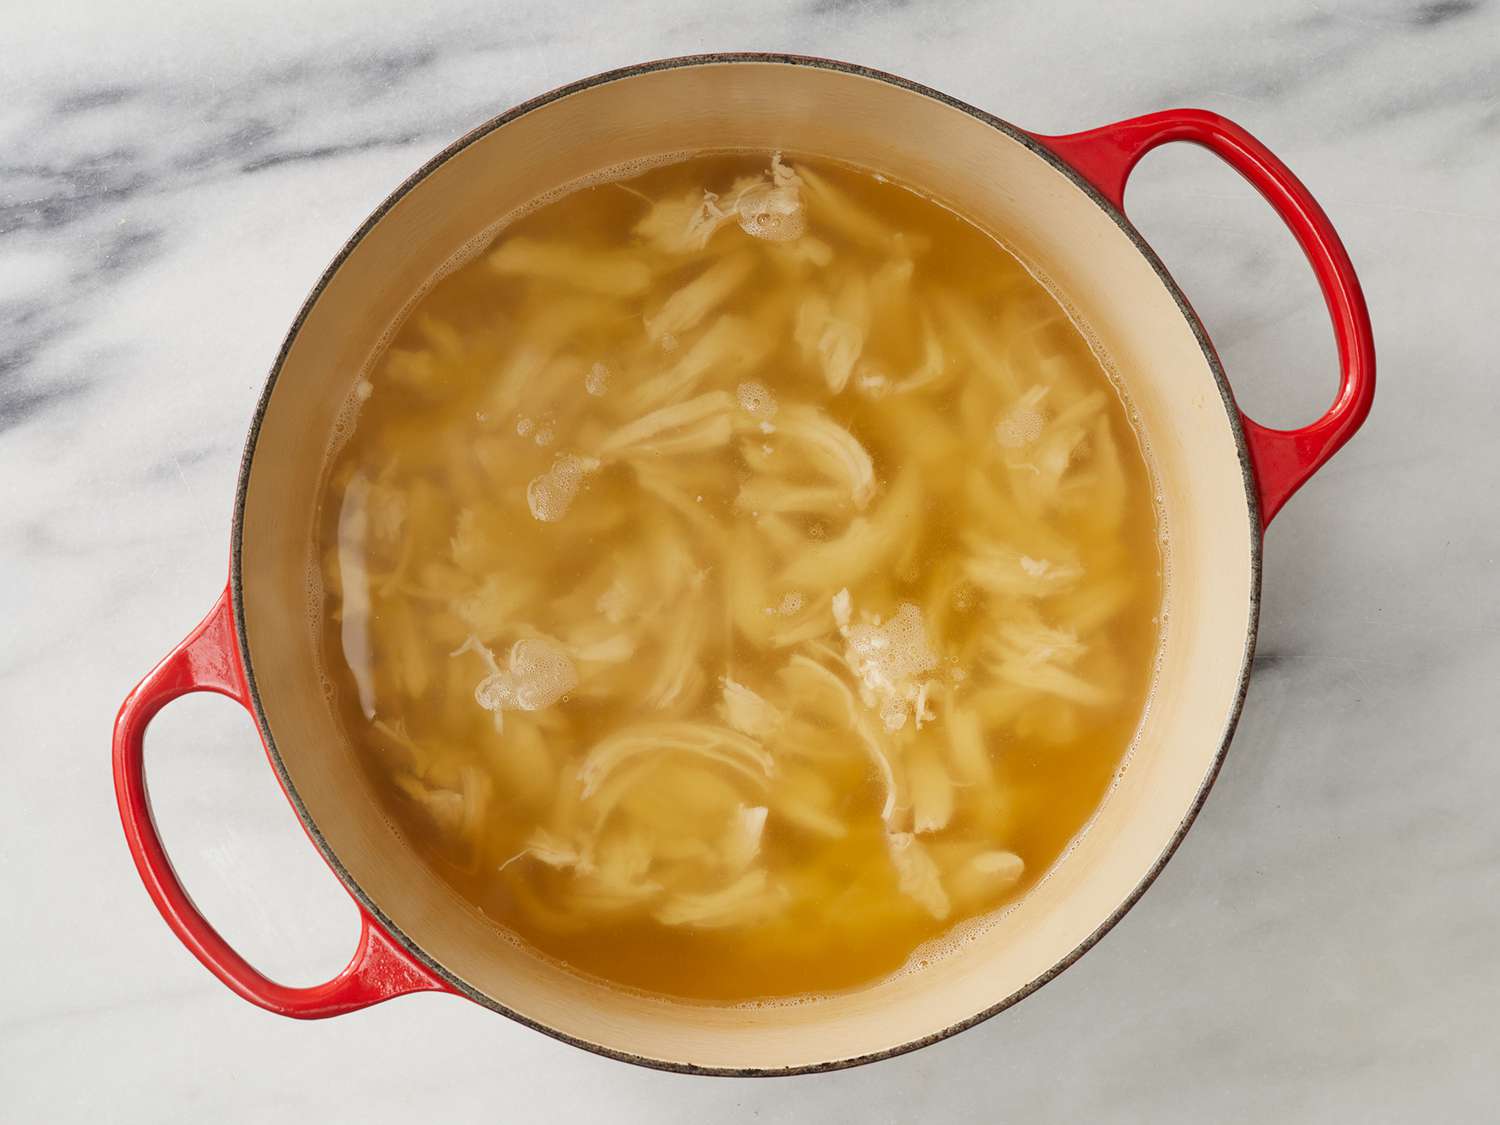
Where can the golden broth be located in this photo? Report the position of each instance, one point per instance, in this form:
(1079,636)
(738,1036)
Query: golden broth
(737,577)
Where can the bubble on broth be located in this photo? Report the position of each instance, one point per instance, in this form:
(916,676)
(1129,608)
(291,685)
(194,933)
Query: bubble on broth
(596,382)
(550,495)
(1022,423)
(888,659)
(791,603)
(538,675)
(756,400)
(312,591)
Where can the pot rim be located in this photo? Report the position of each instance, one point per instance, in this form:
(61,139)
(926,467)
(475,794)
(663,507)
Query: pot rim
(1038,149)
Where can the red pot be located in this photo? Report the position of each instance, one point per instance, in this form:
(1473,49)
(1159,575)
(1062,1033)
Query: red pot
(1058,199)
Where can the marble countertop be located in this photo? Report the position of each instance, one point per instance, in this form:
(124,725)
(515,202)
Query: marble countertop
(174,176)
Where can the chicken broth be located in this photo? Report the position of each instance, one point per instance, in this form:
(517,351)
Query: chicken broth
(739,576)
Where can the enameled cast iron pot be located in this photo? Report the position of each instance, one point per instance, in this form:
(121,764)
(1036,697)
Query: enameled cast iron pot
(1058,199)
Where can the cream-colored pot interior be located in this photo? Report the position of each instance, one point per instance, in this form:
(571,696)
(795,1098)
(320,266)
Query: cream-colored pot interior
(985,172)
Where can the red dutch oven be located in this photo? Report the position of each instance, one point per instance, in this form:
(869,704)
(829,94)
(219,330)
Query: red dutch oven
(1058,199)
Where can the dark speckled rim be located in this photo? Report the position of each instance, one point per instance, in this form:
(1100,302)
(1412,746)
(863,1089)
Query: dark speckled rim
(1252,515)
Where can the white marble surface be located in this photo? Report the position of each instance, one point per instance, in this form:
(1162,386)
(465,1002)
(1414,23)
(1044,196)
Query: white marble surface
(173,177)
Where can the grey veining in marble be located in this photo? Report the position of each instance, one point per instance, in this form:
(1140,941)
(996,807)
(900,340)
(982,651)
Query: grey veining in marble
(173,176)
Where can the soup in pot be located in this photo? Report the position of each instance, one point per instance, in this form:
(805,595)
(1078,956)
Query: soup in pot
(739,579)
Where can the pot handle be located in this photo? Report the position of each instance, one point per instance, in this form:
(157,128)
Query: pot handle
(208,660)
(1282,459)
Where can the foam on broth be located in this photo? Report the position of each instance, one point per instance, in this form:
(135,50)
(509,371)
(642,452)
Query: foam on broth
(740,578)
